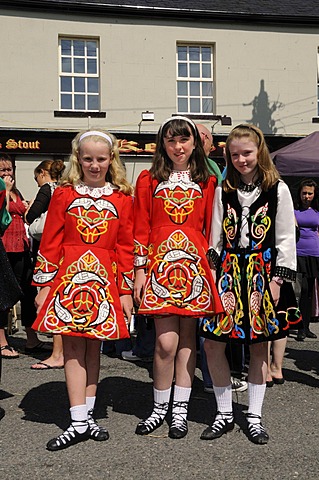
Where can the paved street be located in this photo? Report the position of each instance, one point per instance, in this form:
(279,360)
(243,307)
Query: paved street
(37,409)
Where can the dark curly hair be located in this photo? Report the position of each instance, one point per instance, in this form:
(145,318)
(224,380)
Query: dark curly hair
(308,182)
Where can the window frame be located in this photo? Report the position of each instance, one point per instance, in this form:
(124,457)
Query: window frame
(190,79)
(73,75)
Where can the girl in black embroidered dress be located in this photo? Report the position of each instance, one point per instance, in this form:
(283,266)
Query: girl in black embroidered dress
(252,248)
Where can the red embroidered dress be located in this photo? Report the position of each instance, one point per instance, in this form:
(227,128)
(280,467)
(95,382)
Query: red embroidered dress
(86,257)
(172,222)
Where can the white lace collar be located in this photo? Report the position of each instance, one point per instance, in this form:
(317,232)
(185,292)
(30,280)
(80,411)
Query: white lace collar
(177,176)
(95,192)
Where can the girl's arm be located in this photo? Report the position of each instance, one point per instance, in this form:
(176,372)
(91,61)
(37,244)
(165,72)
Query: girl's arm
(210,194)
(142,228)
(127,306)
(285,236)
(139,283)
(125,248)
(41,297)
(142,218)
(216,237)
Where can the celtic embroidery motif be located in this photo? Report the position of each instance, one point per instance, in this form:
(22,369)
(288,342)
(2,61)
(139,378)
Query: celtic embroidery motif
(92,217)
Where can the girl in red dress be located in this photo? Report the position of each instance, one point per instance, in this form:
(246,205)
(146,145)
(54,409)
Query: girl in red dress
(173,212)
(85,272)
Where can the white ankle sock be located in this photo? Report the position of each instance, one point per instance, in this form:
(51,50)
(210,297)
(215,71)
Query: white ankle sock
(90,402)
(256,394)
(162,396)
(181,394)
(224,398)
(161,401)
(79,418)
(180,405)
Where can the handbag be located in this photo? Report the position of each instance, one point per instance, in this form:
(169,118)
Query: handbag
(37,226)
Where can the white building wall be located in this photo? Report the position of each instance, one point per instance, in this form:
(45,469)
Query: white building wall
(138,70)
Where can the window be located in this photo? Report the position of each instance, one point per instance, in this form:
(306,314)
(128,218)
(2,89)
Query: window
(79,74)
(195,79)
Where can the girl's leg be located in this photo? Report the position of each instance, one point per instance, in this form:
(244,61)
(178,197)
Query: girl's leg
(220,374)
(278,352)
(93,349)
(166,343)
(184,373)
(76,382)
(269,379)
(208,384)
(6,351)
(256,392)
(55,360)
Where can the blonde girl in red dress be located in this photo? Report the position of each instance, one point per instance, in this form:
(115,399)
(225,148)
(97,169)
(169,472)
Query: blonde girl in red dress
(85,272)
(173,213)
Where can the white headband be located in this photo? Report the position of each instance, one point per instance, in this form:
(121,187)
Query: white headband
(179,117)
(90,133)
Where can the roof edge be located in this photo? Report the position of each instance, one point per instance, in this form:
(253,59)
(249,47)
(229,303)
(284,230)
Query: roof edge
(59,6)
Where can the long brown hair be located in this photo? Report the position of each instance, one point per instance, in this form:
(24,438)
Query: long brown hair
(266,170)
(162,165)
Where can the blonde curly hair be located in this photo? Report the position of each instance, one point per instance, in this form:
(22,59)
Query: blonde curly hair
(116,172)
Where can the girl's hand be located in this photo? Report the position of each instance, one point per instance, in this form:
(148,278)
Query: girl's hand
(27,211)
(275,291)
(8,180)
(213,274)
(40,298)
(127,306)
(139,283)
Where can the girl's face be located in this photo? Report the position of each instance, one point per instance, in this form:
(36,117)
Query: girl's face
(307,194)
(95,159)
(244,157)
(179,149)
(6,169)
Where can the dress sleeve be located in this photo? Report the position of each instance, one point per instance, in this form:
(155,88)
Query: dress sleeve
(142,218)
(125,248)
(40,204)
(216,237)
(286,262)
(51,247)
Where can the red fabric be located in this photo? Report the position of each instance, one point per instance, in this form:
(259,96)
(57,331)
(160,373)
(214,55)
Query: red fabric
(86,257)
(2,198)
(15,237)
(172,226)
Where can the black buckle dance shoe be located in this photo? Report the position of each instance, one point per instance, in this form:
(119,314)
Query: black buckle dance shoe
(256,432)
(97,433)
(223,423)
(67,438)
